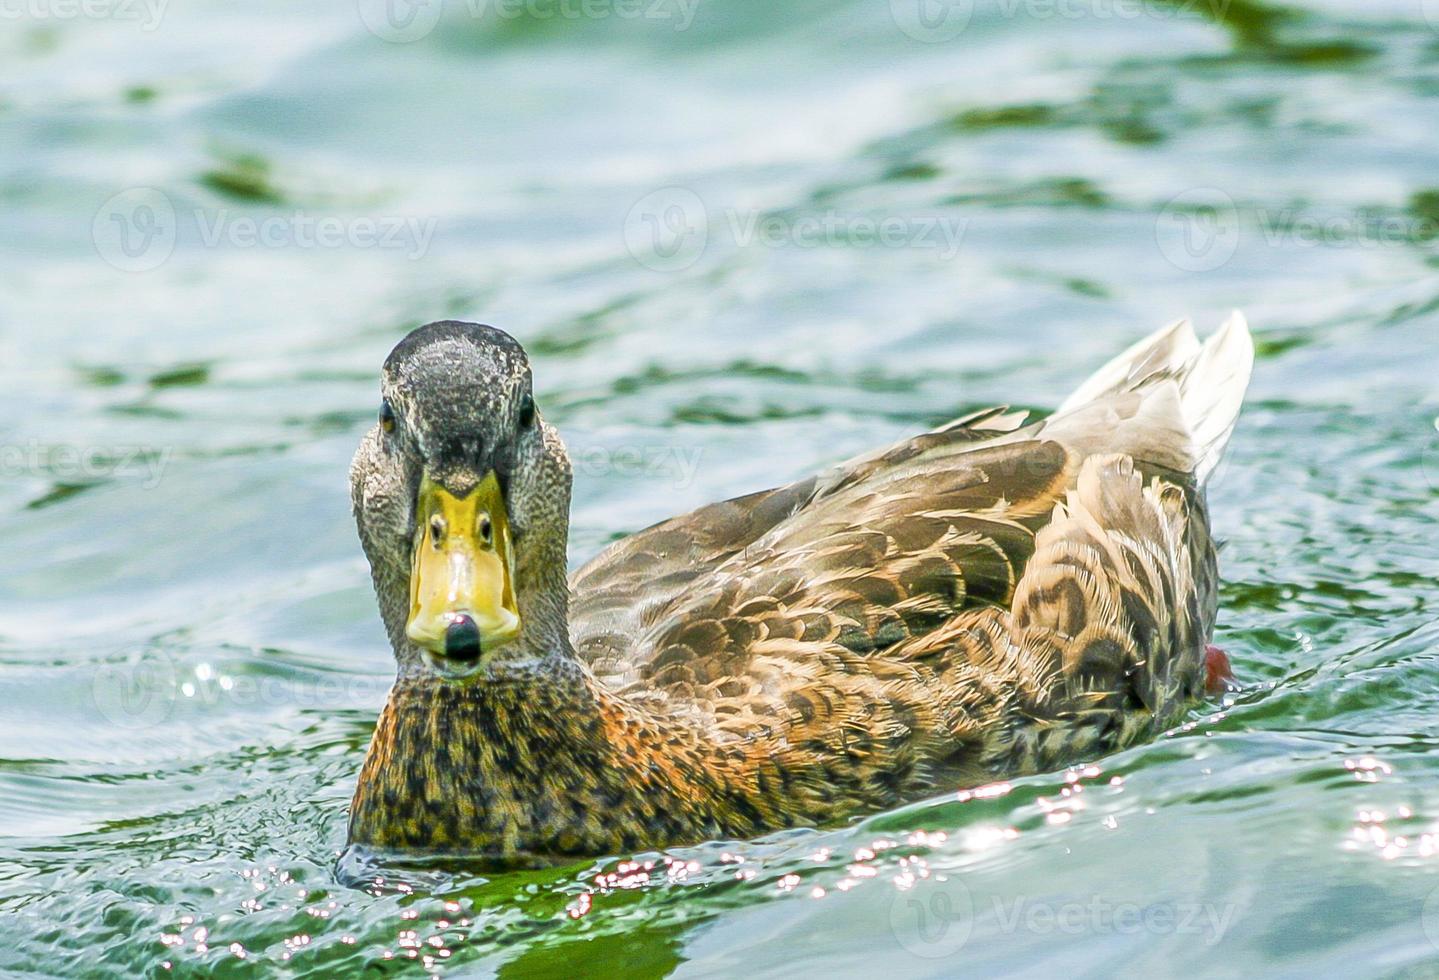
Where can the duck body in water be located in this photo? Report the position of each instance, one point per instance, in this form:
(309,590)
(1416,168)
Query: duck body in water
(990,598)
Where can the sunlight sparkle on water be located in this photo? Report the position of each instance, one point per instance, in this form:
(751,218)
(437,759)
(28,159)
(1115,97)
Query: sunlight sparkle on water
(1368,769)
(1372,833)
(991,791)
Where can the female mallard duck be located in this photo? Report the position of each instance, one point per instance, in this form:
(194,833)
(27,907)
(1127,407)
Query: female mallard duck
(989,598)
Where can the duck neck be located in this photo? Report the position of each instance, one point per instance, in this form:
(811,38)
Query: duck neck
(533,762)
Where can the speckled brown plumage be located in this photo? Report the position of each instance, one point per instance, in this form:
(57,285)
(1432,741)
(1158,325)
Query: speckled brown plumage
(987,599)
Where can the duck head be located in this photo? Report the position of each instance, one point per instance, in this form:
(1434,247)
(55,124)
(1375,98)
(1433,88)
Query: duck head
(461,494)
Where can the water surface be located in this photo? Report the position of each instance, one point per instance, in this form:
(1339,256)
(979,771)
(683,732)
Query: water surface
(742,241)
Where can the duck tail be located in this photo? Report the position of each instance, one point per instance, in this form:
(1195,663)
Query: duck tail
(1161,354)
(1212,391)
(1193,388)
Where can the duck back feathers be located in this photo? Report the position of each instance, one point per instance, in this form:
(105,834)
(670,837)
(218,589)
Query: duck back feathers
(990,597)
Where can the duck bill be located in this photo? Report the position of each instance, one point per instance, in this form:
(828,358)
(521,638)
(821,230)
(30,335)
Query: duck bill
(462,593)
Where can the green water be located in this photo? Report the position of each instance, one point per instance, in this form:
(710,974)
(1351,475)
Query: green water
(743,240)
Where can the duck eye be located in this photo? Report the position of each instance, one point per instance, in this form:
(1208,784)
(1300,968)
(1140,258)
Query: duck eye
(387,417)
(527,411)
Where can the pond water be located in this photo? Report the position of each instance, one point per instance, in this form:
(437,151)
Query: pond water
(742,240)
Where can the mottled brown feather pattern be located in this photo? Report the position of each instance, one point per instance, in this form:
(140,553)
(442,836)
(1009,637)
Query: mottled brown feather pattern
(987,599)
(836,646)
(951,609)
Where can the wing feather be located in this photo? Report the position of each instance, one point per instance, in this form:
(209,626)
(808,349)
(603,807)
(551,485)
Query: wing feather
(988,596)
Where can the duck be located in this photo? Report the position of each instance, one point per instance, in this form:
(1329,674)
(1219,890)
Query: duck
(999,596)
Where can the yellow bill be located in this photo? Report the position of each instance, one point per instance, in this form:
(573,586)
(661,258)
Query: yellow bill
(462,594)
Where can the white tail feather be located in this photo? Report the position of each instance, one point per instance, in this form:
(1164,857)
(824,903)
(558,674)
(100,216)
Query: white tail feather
(1188,391)
(1212,391)
(1165,351)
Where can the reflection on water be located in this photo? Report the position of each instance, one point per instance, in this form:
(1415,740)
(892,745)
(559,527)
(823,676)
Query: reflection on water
(741,242)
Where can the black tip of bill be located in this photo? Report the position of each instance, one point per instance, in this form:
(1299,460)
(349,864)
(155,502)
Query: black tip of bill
(462,640)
